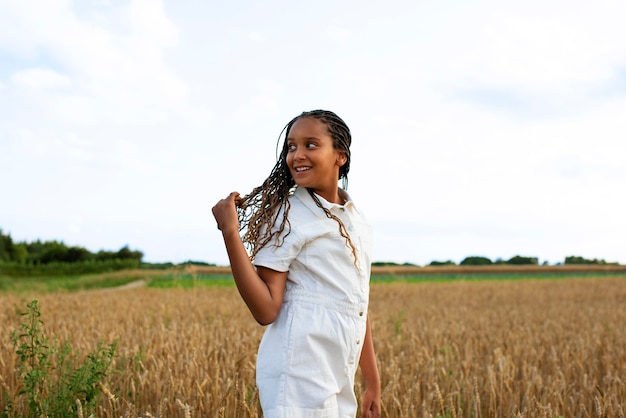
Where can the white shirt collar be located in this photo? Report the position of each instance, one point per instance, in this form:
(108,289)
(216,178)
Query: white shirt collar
(303,194)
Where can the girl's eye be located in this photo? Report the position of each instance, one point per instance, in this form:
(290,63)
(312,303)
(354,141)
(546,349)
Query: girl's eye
(308,145)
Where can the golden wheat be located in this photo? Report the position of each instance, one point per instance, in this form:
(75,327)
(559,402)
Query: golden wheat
(460,349)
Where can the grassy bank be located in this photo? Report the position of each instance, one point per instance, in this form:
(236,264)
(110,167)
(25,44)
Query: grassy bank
(201,277)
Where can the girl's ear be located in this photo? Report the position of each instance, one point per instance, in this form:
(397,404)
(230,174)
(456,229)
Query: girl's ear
(341,158)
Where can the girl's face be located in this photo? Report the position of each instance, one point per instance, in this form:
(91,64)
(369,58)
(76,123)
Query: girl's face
(312,159)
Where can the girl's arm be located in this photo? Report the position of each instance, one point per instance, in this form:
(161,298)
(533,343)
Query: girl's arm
(261,289)
(371,403)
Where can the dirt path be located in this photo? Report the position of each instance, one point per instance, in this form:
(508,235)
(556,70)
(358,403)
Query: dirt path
(132,285)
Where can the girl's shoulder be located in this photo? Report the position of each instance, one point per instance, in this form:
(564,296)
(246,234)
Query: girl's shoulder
(303,206)
(300,210)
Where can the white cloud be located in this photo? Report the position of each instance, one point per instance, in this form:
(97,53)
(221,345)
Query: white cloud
(116,72)
(150,22)
(256,37)
(542,56)
(526,52)
(39,79)
(339,34)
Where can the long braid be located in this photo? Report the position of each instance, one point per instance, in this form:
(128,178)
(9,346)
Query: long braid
(260,209)
(342,228)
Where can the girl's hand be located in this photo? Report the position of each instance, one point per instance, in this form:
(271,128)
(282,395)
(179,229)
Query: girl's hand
(225,213)
(370,405)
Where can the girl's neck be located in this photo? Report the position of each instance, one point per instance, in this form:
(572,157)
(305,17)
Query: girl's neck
(340,197)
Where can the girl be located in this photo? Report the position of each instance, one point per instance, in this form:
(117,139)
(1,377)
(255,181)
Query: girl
(311,250)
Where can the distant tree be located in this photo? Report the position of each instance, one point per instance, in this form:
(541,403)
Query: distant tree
(126,254)
(572,259)
(123,253)
(476,261)
(103,255)
(6,246)
(442,263)
(35,251)
(20,253)
(77,254)
(518,259)
(197,263)
(54,251)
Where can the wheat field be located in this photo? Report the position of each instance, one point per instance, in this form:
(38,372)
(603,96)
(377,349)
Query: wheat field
(525,348)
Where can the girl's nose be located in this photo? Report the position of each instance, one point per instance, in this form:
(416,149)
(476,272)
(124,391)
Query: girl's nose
(299,154)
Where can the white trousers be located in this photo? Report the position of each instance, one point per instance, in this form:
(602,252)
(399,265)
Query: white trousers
(308,358)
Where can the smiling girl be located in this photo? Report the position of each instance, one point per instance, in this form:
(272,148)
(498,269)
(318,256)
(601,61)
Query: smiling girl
(302,268)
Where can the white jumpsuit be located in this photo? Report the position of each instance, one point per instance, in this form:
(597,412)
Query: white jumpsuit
(308,357)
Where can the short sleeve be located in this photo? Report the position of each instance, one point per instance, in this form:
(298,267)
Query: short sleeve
(280,257)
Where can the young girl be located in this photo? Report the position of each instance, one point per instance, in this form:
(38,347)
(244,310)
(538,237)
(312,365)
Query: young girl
(309,276)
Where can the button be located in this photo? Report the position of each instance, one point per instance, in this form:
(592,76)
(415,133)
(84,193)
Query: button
(358,342)
(361,313)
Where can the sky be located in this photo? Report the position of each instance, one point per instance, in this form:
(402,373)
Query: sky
(482,128)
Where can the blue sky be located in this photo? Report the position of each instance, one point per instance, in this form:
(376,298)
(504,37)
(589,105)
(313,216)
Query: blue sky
(491,128)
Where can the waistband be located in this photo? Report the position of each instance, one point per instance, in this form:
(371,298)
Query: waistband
(355,309)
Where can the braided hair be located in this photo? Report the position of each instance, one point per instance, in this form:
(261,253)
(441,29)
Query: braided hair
(259,210)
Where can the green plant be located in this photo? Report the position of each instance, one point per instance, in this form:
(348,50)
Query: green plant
(54,382)
(33,351)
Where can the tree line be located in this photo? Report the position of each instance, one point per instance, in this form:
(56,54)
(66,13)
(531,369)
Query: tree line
(516,260)
(522,260)
(46,252)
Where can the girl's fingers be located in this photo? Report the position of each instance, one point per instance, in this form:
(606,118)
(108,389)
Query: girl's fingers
(235,198)
(224,211)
